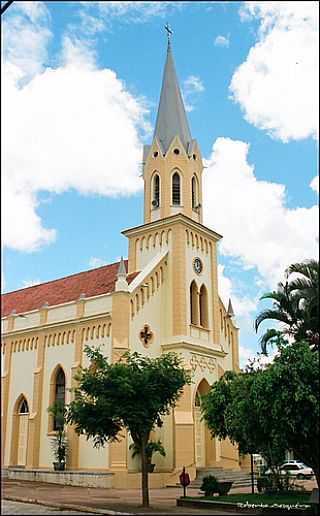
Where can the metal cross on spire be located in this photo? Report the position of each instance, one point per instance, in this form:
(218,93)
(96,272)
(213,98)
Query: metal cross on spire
(169,32)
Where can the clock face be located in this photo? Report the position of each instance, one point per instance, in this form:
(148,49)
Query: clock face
(197,265)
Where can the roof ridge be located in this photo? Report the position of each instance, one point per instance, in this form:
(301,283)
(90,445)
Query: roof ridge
(63,277)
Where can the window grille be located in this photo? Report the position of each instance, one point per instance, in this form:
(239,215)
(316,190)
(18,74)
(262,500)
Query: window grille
(176,189)
(156,191)
(194,192)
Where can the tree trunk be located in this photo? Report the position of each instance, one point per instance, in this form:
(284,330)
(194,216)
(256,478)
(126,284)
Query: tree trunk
(144,473)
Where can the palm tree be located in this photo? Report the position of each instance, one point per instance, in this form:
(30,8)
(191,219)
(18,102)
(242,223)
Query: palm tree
(295,305)
(306,288)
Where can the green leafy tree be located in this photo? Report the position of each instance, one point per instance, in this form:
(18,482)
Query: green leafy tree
(270,410)
(230,411)
(132,394)
(295,306)
(291,383)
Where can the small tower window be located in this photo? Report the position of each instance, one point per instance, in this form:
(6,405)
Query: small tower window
(156,154)
(156,191)
(176,151)
(194,192)
(24,409)
(176,189)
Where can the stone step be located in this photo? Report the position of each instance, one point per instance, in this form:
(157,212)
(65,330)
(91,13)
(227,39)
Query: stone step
(238,478)
(237,483)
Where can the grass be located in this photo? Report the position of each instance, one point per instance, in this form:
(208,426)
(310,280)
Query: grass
(286,498)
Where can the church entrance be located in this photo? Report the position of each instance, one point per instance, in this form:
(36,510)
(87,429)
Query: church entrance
(205,453)
(23,433)
(199,430)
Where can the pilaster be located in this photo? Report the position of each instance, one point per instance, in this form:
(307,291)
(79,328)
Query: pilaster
(5,386)
(215,293)
(73,437)
(34,429)
(178,267)
(184,431)
(120,344)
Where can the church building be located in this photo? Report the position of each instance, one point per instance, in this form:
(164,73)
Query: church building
(163,298)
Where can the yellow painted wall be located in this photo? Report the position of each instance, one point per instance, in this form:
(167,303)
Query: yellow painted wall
(53,356)
(60,313)
(21,363)
(32,319)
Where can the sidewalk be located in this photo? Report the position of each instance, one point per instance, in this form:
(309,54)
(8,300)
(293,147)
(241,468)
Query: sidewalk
(100,501)
(108,501)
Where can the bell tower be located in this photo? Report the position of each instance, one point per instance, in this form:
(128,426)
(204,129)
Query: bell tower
(172,164)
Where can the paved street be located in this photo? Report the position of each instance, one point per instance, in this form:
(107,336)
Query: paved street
(8,507)
(163,501)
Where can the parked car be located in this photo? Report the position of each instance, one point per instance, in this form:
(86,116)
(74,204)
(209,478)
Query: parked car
(295,469)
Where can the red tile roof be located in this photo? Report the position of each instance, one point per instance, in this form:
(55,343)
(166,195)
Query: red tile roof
(91,283)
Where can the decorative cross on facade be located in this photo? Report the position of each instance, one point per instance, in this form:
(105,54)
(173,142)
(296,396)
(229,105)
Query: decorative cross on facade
(169,32)
(146,334)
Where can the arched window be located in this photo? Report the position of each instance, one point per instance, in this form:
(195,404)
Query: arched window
(194,192)
(24,409)
(176,198)
(156,191)
(60,391)
(194,305)
(203,307)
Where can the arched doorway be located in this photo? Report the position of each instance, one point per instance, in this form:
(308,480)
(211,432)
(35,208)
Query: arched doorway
(23,412)
(203,443)
(199,431)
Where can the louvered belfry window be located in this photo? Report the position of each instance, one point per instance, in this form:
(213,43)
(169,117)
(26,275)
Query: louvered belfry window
(176,198)
(194,192)
(24,409)
(156,190)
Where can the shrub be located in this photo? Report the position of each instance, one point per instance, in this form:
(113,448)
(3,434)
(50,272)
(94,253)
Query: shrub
(210,485)
(224,488)
(263,483)
(276,483)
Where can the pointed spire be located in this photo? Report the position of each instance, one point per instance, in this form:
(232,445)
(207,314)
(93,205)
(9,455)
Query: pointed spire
(122,269)
(171,119)
(230,311)
(121,283)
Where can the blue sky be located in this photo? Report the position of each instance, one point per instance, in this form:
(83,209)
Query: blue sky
(81,89)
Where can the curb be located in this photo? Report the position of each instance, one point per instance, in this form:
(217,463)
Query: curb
(65,506)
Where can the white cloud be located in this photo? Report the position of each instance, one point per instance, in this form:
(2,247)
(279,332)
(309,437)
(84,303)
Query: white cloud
(277,86)
(247,355)
(25,37)
(30,283)
(252,215)
(131,11)
(315,184)
(77,52)
(73,127)
(243,306)
(192,86)
(96,262)
(222,41)
(35,11)
(91,25)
